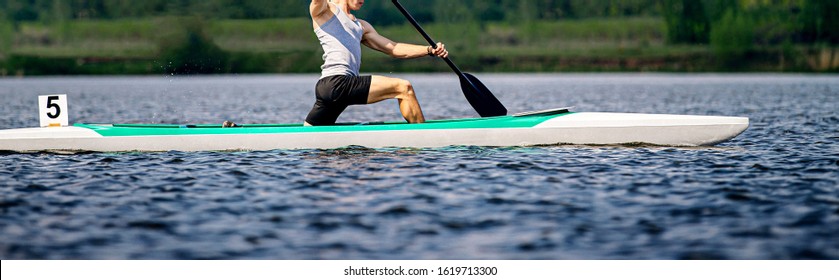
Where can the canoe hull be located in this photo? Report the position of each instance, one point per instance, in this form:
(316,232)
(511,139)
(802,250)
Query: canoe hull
(572,128)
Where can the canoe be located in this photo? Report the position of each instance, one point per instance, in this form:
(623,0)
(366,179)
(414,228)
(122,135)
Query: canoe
(548,127)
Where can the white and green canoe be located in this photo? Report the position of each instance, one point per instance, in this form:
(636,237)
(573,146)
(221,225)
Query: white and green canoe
(549,127)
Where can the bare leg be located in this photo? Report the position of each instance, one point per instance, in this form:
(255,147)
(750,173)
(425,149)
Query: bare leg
(383,88)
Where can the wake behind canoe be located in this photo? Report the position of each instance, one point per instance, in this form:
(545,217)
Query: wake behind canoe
(538,128)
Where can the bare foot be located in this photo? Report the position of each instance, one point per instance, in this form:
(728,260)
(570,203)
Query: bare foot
(229,124)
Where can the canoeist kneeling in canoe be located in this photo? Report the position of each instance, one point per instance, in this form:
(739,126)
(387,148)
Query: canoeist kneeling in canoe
(341,34)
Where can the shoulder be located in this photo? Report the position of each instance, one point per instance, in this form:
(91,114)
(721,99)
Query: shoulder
(366,26)
(319,8)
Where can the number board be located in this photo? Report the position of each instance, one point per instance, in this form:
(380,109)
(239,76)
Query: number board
(52,110)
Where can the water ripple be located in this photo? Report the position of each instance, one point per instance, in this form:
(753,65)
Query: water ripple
(769,194)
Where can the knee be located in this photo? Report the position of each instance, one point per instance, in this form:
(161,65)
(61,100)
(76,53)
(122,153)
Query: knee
(405,87)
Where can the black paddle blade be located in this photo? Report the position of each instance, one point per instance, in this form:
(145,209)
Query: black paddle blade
(480,97)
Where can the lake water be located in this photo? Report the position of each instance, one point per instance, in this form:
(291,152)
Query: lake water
(771,193)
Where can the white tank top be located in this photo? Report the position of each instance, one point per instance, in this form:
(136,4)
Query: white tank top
(340,38)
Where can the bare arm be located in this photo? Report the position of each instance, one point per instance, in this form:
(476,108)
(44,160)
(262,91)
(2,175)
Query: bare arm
(318,7)
(376,41)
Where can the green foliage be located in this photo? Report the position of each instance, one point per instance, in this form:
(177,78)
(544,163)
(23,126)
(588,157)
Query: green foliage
(191,51)
(36,65)
(247,36)
(686,20)
(775,21)
(46,10)
(121,29)
(296,28)
(22,10)
(381,12)
(33,65)
(732,37)
(641,28)
(716,9)
(820,21)
(6,37)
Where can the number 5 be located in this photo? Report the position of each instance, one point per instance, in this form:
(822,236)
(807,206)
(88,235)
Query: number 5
(50,99)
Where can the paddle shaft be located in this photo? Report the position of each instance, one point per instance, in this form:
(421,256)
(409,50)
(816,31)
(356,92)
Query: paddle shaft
(478,95)
(427,38)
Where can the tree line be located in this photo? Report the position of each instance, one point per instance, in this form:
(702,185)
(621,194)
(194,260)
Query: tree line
(688,21)
(381,10)
(760,21)
(734,31)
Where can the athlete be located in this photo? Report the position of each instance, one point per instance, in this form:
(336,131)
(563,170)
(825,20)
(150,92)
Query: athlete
(341,35)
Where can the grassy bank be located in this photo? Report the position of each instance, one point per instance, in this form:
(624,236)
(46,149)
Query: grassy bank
(144,46)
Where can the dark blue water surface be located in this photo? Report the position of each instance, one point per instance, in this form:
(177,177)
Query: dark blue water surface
(771,193)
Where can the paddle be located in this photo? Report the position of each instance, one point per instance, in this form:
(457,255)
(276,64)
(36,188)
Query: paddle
(476,92)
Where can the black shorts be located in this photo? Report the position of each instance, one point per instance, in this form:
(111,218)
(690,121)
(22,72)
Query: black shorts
(334,93)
